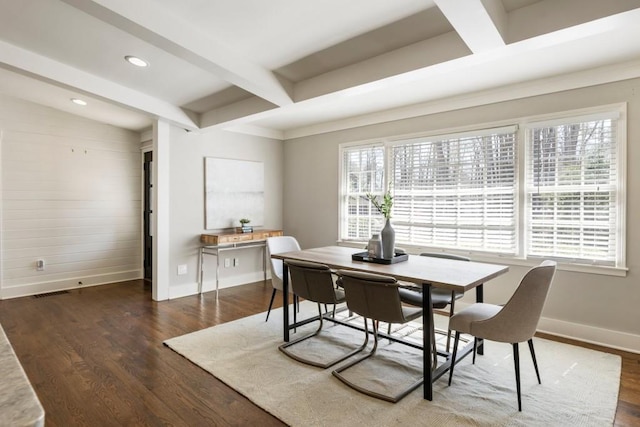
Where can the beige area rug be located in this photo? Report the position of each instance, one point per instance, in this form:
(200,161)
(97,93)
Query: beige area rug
(579,386)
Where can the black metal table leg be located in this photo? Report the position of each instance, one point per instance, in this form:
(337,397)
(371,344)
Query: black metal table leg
(480,298)
(285,300)
(427,311)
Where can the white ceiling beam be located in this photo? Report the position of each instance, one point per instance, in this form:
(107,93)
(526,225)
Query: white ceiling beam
(343,84)
(256,131)
(565,82)
(480,23)
(147,21)
(372,74)
(363,77)
(62,75)
(237,111)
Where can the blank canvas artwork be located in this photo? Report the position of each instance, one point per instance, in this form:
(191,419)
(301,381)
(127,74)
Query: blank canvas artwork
(234,189)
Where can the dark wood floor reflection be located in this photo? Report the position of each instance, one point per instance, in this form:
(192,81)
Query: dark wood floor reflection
(95,357)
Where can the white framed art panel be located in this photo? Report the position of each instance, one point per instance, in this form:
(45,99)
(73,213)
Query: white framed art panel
(234,189)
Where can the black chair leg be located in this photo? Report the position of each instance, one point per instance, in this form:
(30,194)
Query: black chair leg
(453,356)
(452,310)
(533,356)
(475,350)
(296,310)
(273,295)
(516,360)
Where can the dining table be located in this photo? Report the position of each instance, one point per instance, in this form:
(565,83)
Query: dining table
(421,272)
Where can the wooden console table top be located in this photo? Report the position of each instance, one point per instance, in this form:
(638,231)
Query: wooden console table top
(232,236)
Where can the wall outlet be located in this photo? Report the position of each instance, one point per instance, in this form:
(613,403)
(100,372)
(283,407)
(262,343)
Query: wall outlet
(236,262)
(227,262)
(40,265)
(182,269)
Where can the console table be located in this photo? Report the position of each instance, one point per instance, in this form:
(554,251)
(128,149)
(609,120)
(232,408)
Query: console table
(214,244)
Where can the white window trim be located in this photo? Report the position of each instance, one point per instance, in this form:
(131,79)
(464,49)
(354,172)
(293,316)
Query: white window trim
(618,111)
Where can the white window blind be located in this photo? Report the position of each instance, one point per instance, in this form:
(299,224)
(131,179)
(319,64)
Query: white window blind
(554,189)
(571,191)
(457,192)
(363,172)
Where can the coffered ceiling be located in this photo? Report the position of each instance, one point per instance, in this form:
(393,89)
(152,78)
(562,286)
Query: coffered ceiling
(287,68)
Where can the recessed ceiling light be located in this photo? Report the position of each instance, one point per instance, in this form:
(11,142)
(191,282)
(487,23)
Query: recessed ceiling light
(78,101)
(136,61)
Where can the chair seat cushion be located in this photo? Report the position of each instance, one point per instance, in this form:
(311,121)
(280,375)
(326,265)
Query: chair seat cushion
(440,298)
(411,313)
(463,320)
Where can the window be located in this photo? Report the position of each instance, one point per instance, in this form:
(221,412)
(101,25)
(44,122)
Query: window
(572,185)
(363,168)
(551,189)
(457,192)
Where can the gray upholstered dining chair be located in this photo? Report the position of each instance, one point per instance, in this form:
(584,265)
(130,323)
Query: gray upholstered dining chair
(277,245)
(375,297)
(513,323)
(314,282)
(440,298)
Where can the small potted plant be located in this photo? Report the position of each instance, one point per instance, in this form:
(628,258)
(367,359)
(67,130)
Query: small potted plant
(244,227)
(384,206)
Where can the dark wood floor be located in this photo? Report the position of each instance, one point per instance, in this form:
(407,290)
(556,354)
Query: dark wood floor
(95,357)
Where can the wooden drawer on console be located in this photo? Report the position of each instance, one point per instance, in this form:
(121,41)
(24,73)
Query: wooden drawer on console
(263,234)
(235,238)
(231,237)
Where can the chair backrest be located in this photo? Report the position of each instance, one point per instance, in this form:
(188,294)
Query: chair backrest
(445,256)
(518,319)
(372,296)
(278,245)
(312,281)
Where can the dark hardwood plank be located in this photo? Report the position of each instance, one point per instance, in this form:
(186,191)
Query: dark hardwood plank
(95,357)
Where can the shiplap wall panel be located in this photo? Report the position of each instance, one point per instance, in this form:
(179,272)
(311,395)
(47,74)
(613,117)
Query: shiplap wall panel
(79,248)
(71,195)
(74,241)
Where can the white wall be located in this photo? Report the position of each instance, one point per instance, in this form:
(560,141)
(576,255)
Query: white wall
(187,153)
(589,307)
(70,196)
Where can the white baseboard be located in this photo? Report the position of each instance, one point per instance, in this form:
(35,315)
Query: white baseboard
(188,289)
(591,334)
(66,284)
